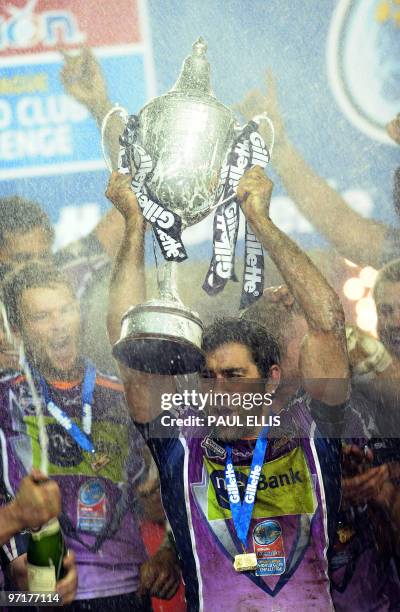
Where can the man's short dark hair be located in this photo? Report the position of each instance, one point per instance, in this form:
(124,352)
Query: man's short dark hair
(18,215)
(31,276)
(262,345)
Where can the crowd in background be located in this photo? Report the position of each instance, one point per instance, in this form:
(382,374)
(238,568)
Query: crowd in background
(55,306)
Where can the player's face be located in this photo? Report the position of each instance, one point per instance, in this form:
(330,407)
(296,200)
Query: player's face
(231,370)
(22,247)
(51,329)
(231,361)
(388,311)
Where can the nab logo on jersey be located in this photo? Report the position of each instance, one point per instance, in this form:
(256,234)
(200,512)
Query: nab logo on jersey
(63,450)
(287,478)
(23,29)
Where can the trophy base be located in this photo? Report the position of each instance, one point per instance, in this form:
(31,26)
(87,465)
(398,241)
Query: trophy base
(158,355)
(160,337)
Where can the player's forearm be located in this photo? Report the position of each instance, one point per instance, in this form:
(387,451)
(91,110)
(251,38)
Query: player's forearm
(390,503)
(17,573)
(109,231)
(9,523)
(359,239)
(168,542)
(99,108)
(313,293)
(128,283)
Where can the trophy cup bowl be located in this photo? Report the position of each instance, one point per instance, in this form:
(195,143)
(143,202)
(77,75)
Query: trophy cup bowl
(188,135)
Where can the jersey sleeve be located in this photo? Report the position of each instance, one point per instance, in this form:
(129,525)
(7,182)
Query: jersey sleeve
(15,547)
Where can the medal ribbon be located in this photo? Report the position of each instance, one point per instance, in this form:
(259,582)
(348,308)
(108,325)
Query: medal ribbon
(242,511)
(167,225)
(82,438)
(248,149)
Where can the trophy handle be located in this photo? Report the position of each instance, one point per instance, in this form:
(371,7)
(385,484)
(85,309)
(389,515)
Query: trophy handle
(258,119)
(239,128)
(124,115)
(264,117)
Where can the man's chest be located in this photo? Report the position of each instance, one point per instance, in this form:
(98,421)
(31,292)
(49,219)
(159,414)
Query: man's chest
(108,437)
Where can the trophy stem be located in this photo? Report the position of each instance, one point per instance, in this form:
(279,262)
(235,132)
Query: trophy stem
(167,283)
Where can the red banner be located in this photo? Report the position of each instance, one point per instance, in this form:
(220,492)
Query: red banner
(35,26)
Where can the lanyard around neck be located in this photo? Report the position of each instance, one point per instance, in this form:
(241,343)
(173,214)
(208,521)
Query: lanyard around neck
(82,438)
(242,511)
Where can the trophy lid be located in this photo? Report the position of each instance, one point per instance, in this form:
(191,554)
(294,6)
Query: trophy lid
(187,133)
(195,73)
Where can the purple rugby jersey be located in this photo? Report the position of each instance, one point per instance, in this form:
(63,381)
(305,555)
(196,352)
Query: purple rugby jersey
(98,507)
(289,527)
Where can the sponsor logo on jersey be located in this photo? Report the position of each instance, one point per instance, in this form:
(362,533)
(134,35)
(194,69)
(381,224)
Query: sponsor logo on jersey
(285,486)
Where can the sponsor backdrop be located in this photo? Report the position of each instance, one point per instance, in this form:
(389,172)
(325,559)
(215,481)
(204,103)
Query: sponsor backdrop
(336,65)
(49,145)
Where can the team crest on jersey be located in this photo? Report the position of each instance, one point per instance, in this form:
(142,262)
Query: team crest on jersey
(212,449)
(269,548)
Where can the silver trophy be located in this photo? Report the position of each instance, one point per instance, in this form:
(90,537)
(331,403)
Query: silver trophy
(188,133)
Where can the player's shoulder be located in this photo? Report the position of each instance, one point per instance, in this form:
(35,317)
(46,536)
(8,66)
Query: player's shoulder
(12,377)
(109,381)
(109,400)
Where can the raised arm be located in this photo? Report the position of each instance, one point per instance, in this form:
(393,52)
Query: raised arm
(128,282)
(128,288)
(360,240)
(84,80)
(323,354)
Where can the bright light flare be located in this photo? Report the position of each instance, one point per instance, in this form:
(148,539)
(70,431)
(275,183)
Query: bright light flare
(368,276)
(354,289)
(366,315)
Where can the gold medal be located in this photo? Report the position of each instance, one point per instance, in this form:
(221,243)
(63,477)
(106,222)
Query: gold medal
(100,461)
(345,533)
(245,562)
